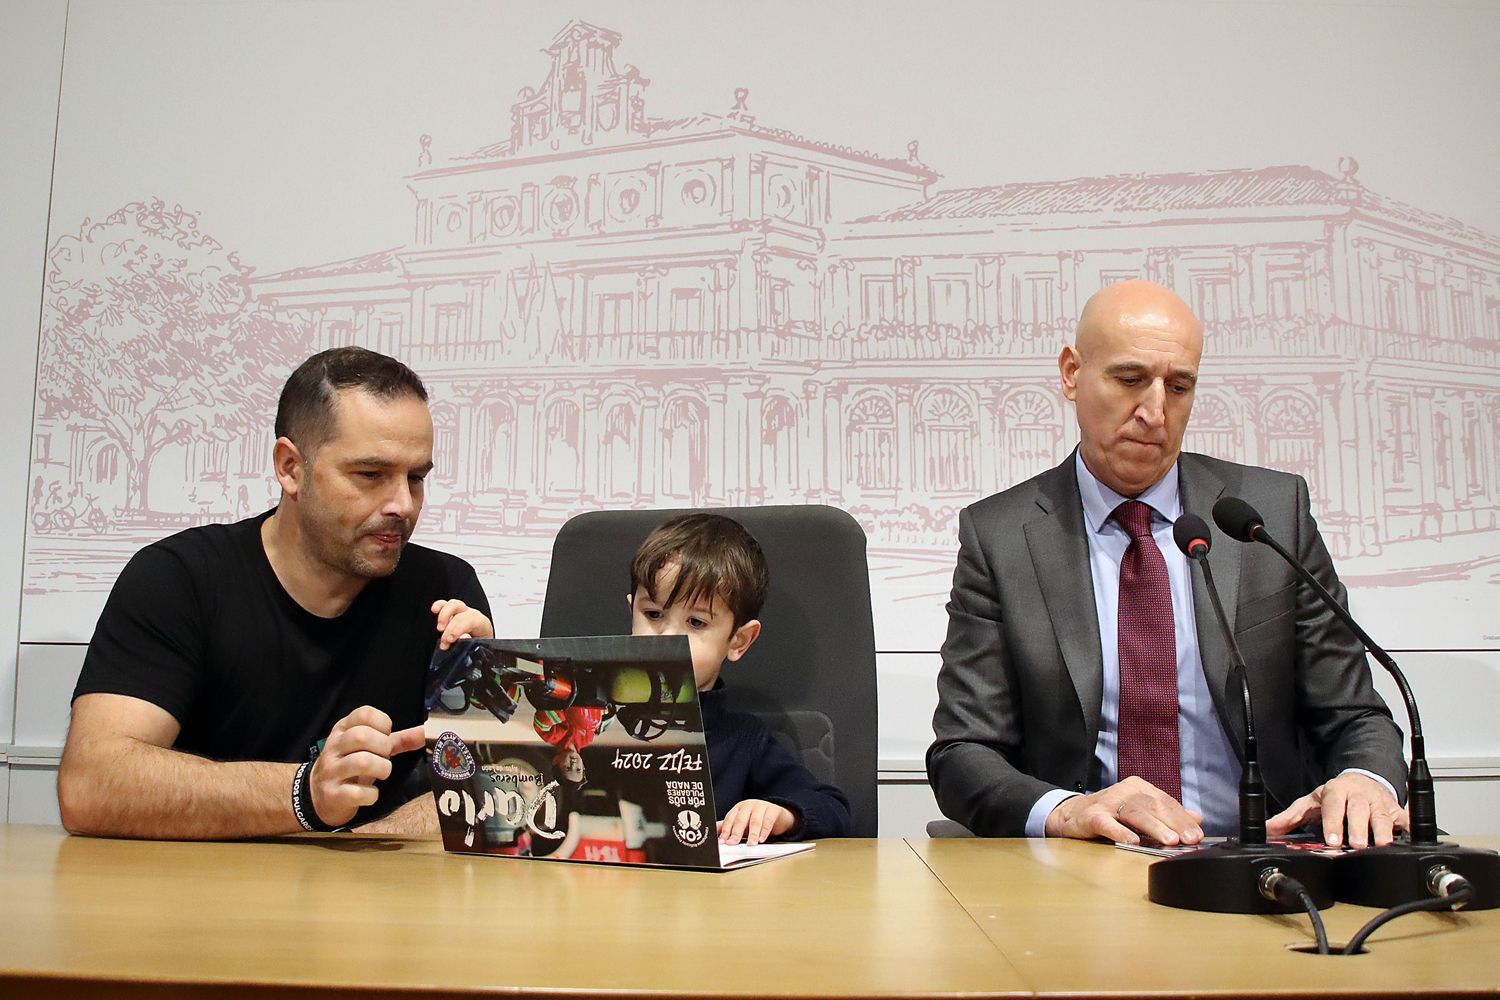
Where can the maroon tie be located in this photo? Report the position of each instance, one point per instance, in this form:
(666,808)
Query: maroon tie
(1148,744)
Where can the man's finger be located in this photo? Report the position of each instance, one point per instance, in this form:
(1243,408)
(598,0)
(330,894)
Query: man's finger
(359,738)
(1333,802)
(407,740)
(365,715)
(358,795)
(1291,817)
(361,768)
(1382,827)
(1106,826)
(1357,821)
(1148,824)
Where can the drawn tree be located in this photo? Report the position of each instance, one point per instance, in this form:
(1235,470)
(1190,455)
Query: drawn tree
(149,330)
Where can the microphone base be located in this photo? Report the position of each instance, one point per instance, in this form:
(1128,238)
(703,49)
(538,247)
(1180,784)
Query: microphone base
(1224,878)
(1389,876)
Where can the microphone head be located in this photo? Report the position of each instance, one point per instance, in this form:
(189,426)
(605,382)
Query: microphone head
(1191,534)
(1237,519)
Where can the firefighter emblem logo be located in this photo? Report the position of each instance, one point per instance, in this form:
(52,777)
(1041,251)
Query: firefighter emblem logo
(451,758)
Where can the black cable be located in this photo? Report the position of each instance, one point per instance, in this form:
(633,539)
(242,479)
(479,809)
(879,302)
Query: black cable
(1317,918)
(1455,899)
(1276,885)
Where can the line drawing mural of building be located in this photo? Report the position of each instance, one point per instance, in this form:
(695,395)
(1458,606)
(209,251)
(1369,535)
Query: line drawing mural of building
(615,309)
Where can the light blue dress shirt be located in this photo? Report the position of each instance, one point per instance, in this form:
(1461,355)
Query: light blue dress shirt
(1210,767)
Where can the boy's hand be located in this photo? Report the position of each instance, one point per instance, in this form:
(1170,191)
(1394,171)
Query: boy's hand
(755,821)
(456,620)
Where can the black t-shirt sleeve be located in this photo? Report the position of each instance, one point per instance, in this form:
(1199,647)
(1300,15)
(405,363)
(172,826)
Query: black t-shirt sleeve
(149,641)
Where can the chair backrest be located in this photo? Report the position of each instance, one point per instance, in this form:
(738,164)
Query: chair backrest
(810,675)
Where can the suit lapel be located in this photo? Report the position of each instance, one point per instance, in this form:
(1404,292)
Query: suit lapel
(1060,556)
(1200,488)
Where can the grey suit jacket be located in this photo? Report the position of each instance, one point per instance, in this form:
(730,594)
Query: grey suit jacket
(1020,690)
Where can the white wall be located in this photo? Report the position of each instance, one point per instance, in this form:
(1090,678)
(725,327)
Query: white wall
(31,45)
(321,185)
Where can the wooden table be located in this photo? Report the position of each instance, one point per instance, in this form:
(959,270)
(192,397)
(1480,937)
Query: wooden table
(371,917)
(1073,918)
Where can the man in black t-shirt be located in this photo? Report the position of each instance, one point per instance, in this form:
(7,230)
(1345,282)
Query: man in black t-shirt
(266,676)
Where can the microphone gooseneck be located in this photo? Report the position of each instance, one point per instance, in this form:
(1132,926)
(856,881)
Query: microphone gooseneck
(1240,521)
(1192,536)
(1401,875)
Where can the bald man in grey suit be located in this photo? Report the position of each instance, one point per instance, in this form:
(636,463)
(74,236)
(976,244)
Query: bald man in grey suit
(1027,735)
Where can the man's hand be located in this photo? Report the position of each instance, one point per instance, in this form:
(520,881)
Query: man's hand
(456,620)
(1125,812)
(357,754)
(755,821)
(1358,800)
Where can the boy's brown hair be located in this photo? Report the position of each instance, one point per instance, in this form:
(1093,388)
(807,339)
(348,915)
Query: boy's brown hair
(715,557)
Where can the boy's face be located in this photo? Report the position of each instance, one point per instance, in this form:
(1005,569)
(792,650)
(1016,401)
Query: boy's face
(570,765)
(709,627)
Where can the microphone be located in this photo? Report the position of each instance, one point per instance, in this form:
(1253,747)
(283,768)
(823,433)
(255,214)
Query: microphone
(1191,534)
(1383,876)
(1234,877)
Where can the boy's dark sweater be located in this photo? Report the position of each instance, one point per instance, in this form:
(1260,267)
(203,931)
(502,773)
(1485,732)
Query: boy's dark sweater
(747,762)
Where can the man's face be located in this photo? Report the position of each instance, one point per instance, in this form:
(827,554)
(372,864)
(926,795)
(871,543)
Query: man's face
(709,627)
(1132,374)
(360,494)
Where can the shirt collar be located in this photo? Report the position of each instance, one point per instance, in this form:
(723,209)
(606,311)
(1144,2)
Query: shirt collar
(1099,501)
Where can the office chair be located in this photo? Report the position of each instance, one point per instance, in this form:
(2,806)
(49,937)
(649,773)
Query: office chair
(810,675)
(944,828)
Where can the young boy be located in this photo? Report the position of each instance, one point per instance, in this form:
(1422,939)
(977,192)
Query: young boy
(704,576)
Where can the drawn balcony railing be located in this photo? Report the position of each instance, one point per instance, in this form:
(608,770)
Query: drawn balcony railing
(1310,336)
(952,341)
(802,343)
(695,347)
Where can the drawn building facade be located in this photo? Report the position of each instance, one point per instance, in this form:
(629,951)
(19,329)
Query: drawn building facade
(615,309)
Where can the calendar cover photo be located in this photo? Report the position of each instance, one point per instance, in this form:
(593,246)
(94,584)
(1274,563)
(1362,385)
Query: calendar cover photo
(578,749)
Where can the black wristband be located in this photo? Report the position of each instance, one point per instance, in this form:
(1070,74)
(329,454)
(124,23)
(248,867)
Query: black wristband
(302,803)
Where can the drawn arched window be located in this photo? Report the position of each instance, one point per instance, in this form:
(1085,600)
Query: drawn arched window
(106,468)
(444,443)
(1476,471)
(684,449)
(618,453)
(254,449)
(1289,436)
(453,219)
(1442,450)
(948,434)
(1212,429)
(213,458)
(495,446)
(1032,435)
(870,443)
(563,454)
(778,447)
(1399,441)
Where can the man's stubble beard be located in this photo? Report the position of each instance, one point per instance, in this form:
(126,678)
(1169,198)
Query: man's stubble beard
(321,531)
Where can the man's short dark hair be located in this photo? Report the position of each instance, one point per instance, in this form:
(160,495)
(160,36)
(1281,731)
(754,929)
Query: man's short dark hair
(305,415)
(715,557)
